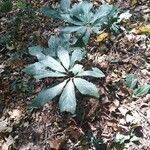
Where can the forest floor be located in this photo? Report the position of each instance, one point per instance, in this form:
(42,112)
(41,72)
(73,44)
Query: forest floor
(117,121)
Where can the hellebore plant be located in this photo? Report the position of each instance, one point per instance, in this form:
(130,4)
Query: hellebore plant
(71,72)
(84,19)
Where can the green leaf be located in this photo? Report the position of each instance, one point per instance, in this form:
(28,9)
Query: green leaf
(53,64)
(83,39)
(42,66)
(65,5)
(47,95)
(104,14)
(64,40)
(86,36)
(97,73)
(82,19)
(37,51)
(77,55)
(53,44)
(142,90)
(85,87)
(81,11)
(46,74)
(51,12)
(34,69)
(131,81)
(75,22)
(71,29)
(63,56)
(39,71)
(76,69)
(67,101)
(97,30)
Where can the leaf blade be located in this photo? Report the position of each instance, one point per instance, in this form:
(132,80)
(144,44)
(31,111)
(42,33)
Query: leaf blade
(50,12)
(142,90)
(37,51)
(76,69)
(53,64)
(65,5)
(49,74)
(67,101)
(131,81)
(85,87)
(71,29)
(95,72)
(77,55)
(63,56)
(47,95)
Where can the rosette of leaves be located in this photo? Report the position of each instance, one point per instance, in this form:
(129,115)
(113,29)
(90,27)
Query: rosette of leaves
(84,19)
(70,71)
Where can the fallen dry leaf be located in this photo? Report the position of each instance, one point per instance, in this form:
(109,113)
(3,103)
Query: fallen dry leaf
(123,110)
(16,115)
(9,141)
(57,143)
(74,132)
(5,126)
(133,118)
(133,2)
(102,37)
(144,29)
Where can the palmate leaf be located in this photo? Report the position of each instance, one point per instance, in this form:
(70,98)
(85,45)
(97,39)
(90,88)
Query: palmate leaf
(85,87)
(64,66)
(142,90)
(84,19)
(97,73)
(67,100)
(82,15)
(47,95)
